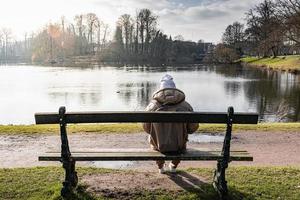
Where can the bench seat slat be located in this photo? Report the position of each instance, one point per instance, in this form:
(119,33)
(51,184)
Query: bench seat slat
(132,152)
(135,156)
(141,116)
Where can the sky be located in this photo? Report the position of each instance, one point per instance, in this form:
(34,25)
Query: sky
(193,19)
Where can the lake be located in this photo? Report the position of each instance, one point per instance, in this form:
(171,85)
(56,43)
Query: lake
(29,89)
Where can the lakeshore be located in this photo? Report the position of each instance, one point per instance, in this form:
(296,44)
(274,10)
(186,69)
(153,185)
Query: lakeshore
(289,63)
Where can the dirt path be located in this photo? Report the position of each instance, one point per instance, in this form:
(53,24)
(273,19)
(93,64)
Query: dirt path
(130,185)
(268,149)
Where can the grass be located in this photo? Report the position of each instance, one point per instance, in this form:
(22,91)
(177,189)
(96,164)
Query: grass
(265,127)
(80,128)
(259,183)
(286,63)
(37,183)
(136,128)
(263,182)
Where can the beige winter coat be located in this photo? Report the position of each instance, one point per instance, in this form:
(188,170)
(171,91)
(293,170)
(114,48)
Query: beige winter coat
(169,137)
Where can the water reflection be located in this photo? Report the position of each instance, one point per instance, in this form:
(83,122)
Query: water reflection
(275,95)
(83,98)
(130,92)
(29,89)
(232,88)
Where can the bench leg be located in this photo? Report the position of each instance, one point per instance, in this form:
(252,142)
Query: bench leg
(71,179)
(220,183)
(68,162)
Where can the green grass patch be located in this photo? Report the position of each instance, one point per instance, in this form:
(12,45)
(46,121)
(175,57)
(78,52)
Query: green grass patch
(288,63)
(72,128)
(259,183)
(38,183)
(137,128)
(262,183)
(265,127)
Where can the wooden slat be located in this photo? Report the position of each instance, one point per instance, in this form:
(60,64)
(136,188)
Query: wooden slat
(111,117)
(153,155)
(125,151)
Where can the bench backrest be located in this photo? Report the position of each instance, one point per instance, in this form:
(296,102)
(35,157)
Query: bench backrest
(62,118)
(110,117)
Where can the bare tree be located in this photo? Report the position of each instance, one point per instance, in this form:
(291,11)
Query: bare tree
(7,36)
(179,38)
(289,11)
(131,37)
(146,28)
(1,45)
(126,22)
(223,54)
(141,24)
(264,28)
(234,33)
(63,22)
(79,24)
(234,36)
(136,38)
(91,19)
(118,41)
(98,24)
(150,25)
(105,33)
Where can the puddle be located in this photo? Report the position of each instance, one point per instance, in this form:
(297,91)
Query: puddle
(205,138)
(113,164)
(195,138)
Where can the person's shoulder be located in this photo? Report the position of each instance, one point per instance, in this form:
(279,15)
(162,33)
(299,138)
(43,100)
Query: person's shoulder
(186,106)
(153,105)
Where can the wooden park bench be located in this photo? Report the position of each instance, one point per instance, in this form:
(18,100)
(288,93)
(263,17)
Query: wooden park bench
(68,158)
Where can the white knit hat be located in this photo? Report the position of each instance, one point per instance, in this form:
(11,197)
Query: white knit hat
(167,82)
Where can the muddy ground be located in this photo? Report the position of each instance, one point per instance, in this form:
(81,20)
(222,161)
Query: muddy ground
(267,148)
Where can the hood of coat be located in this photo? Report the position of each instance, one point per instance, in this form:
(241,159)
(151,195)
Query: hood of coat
(169,96)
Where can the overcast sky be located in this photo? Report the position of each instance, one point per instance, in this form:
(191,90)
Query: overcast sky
(194,19)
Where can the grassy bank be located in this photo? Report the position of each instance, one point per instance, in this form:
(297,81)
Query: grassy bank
(244,183)
(137,128)
(286,63)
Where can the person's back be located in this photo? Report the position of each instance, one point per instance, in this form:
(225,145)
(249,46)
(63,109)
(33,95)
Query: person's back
(169,137)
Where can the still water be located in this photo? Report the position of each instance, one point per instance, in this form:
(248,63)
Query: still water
(29,89)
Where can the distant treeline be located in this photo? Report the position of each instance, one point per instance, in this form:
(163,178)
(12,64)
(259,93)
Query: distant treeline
(135,39)
(272,29)
(138,39)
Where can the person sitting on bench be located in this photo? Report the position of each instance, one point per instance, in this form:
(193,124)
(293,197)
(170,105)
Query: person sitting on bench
(169,137)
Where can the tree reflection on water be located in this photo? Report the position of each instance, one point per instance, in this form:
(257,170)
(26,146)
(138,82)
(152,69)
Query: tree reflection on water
(211,88)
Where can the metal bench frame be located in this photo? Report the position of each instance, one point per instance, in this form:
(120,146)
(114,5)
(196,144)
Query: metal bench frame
(68,162)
